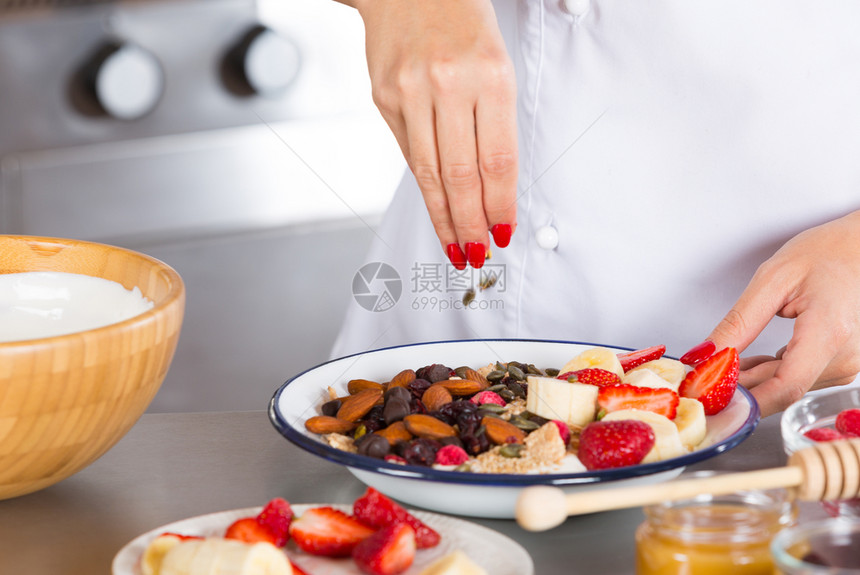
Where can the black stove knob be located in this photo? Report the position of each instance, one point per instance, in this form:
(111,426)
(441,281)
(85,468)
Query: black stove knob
(264,62)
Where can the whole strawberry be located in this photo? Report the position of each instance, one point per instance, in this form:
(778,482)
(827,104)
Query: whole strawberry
(608,444)
(277,516)
(713,382)
(848,422)
(592,376)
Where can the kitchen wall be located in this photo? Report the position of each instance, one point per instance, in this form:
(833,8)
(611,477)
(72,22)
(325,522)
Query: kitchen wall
(264,201)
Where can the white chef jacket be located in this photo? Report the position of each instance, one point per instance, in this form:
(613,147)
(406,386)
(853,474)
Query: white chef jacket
(667,148)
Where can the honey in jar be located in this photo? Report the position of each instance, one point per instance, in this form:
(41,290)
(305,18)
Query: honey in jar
(713,535)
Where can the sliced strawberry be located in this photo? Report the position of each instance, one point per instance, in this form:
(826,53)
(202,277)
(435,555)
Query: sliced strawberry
(296,569)
(248,530)
(376,510)
(631,359)
(389,551)
(277,516)
(848,422)
(625,396)
(592,376)
(180,536)
(713,382)
(328,531)
(619,443)
(823,434)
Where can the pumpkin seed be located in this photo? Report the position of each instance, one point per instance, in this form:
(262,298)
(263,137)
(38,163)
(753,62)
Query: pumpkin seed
(507,395)
(516,372)
(497,388)
(551,372)
(517,389)
(461,371)
(496,375)
(533,370)
(463,467)
(360,430)
(511,450)
(468,297)
(492,407)
(523,423)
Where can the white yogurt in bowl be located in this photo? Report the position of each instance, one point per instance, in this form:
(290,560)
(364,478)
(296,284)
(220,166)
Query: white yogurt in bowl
(46,304)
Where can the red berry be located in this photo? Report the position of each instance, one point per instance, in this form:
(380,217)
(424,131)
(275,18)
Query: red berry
(592,376)
(563,430)
(247,529)
(619,443)
(848,422)
(180,536)
(277,516)
(376,510)
(633,359)
(392,458)
(823,434)
(713,382)
(625,396)
(483,397)
(389,551)
(699,353)
(451,455)
(328,531)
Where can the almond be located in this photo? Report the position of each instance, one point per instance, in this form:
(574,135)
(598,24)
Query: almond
(402,379)
(356,385)
(473,375)
(435,397)
(395,433)
(501,432)
(322,424)
(461,386)
(428,426)
(356,406)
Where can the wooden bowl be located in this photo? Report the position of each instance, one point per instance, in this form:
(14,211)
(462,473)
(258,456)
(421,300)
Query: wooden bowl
(66,400)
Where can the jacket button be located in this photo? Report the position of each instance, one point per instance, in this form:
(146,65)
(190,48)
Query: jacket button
(547,237)
(577,7)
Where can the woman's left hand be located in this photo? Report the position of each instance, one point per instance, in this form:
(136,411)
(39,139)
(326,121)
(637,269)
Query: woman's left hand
(815,280)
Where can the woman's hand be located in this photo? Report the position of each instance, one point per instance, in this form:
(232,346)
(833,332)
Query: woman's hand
(814,279)
(444,83)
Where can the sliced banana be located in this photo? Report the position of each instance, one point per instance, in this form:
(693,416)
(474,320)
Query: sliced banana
(667,442)
(153,555)
(646,378)
(573,403)
(691,422)
(600,357)
(216,556)
(672,370)
(454,563)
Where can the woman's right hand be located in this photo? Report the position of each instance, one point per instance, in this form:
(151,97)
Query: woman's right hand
(444,83)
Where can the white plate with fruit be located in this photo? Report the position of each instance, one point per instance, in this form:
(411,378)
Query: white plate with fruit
(373,536)
(469,459)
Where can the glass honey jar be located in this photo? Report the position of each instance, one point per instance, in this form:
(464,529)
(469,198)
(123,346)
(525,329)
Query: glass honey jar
(713,535)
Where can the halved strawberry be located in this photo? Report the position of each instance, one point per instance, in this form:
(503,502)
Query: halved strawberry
(389,551)
(713,382)
(328,531)
(608,444)
(376,510)
(625,396)
(277,516)
(631,359)
(592,376)
(247,529)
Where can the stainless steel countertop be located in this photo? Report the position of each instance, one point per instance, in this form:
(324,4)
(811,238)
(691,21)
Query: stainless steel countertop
(176,465)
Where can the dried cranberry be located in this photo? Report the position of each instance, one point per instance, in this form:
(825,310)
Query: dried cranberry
(418,387)
(418,406)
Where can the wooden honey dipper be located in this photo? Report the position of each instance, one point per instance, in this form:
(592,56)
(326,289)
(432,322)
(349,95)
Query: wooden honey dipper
(826,471)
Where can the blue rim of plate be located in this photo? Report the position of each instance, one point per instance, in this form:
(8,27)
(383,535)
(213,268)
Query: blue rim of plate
(364,462)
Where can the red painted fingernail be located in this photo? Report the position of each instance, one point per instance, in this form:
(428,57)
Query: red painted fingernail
(699,353)
(457,257)
(476,253)
(501,234)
